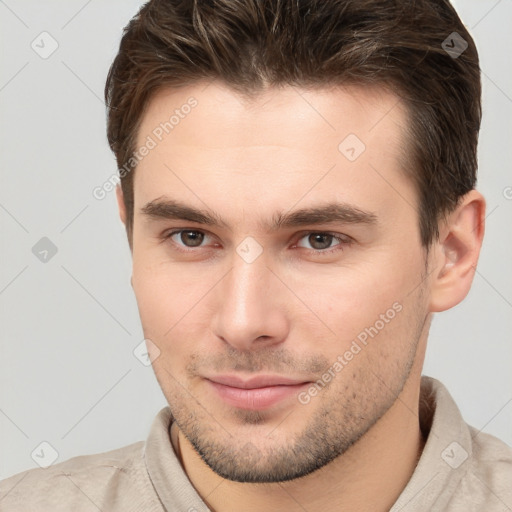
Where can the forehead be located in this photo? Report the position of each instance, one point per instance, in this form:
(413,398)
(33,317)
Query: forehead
(279,146)
(218,109)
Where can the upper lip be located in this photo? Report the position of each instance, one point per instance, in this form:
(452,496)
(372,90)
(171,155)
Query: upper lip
(260,381)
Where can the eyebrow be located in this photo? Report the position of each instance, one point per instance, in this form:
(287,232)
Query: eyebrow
(344,213)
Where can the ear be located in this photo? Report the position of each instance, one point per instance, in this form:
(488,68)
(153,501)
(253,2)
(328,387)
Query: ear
(120,204)
(456,252)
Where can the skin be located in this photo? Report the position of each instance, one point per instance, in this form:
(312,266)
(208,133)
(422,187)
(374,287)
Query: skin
(293,310)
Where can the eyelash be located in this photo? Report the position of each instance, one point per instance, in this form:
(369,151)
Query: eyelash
(343,240)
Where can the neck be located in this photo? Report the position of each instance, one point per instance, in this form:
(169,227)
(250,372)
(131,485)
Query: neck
(368,477)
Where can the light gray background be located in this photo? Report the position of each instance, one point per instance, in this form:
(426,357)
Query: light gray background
(68,327)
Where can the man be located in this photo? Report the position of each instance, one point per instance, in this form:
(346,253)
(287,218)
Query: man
(297,186)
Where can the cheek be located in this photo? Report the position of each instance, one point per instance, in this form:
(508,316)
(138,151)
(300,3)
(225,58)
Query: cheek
(160,288)
(349,300)
(155,301)
(172,305)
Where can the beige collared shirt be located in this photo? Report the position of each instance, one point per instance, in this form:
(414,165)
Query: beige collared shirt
(460,469)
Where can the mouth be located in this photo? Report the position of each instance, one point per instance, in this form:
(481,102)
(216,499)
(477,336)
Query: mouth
(256,393)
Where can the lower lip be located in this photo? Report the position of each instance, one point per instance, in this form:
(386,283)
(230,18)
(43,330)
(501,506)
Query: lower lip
(257,398)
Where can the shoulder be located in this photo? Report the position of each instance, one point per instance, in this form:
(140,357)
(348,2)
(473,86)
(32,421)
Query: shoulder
(489,449)
(81,483)
(488,476)
(492,459)
(471,471)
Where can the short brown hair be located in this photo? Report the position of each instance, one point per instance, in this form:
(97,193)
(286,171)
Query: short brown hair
(249,44)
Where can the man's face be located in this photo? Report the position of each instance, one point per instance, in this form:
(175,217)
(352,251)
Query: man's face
(283,338)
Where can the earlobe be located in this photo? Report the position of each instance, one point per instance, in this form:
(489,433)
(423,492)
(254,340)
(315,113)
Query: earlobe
(120,204)
(457,252)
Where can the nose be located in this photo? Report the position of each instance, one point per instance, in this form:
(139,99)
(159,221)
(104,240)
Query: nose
(251,308)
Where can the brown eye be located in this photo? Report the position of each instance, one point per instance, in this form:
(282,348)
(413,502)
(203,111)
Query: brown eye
(320,241)
(185,238)
(191,238)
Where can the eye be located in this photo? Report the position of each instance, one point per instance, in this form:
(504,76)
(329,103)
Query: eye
(321,242)
(186,238)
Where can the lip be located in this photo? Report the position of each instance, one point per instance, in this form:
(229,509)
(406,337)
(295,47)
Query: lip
(256,393)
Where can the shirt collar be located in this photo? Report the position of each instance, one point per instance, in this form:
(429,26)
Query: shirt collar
(446,455)
(169,479)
